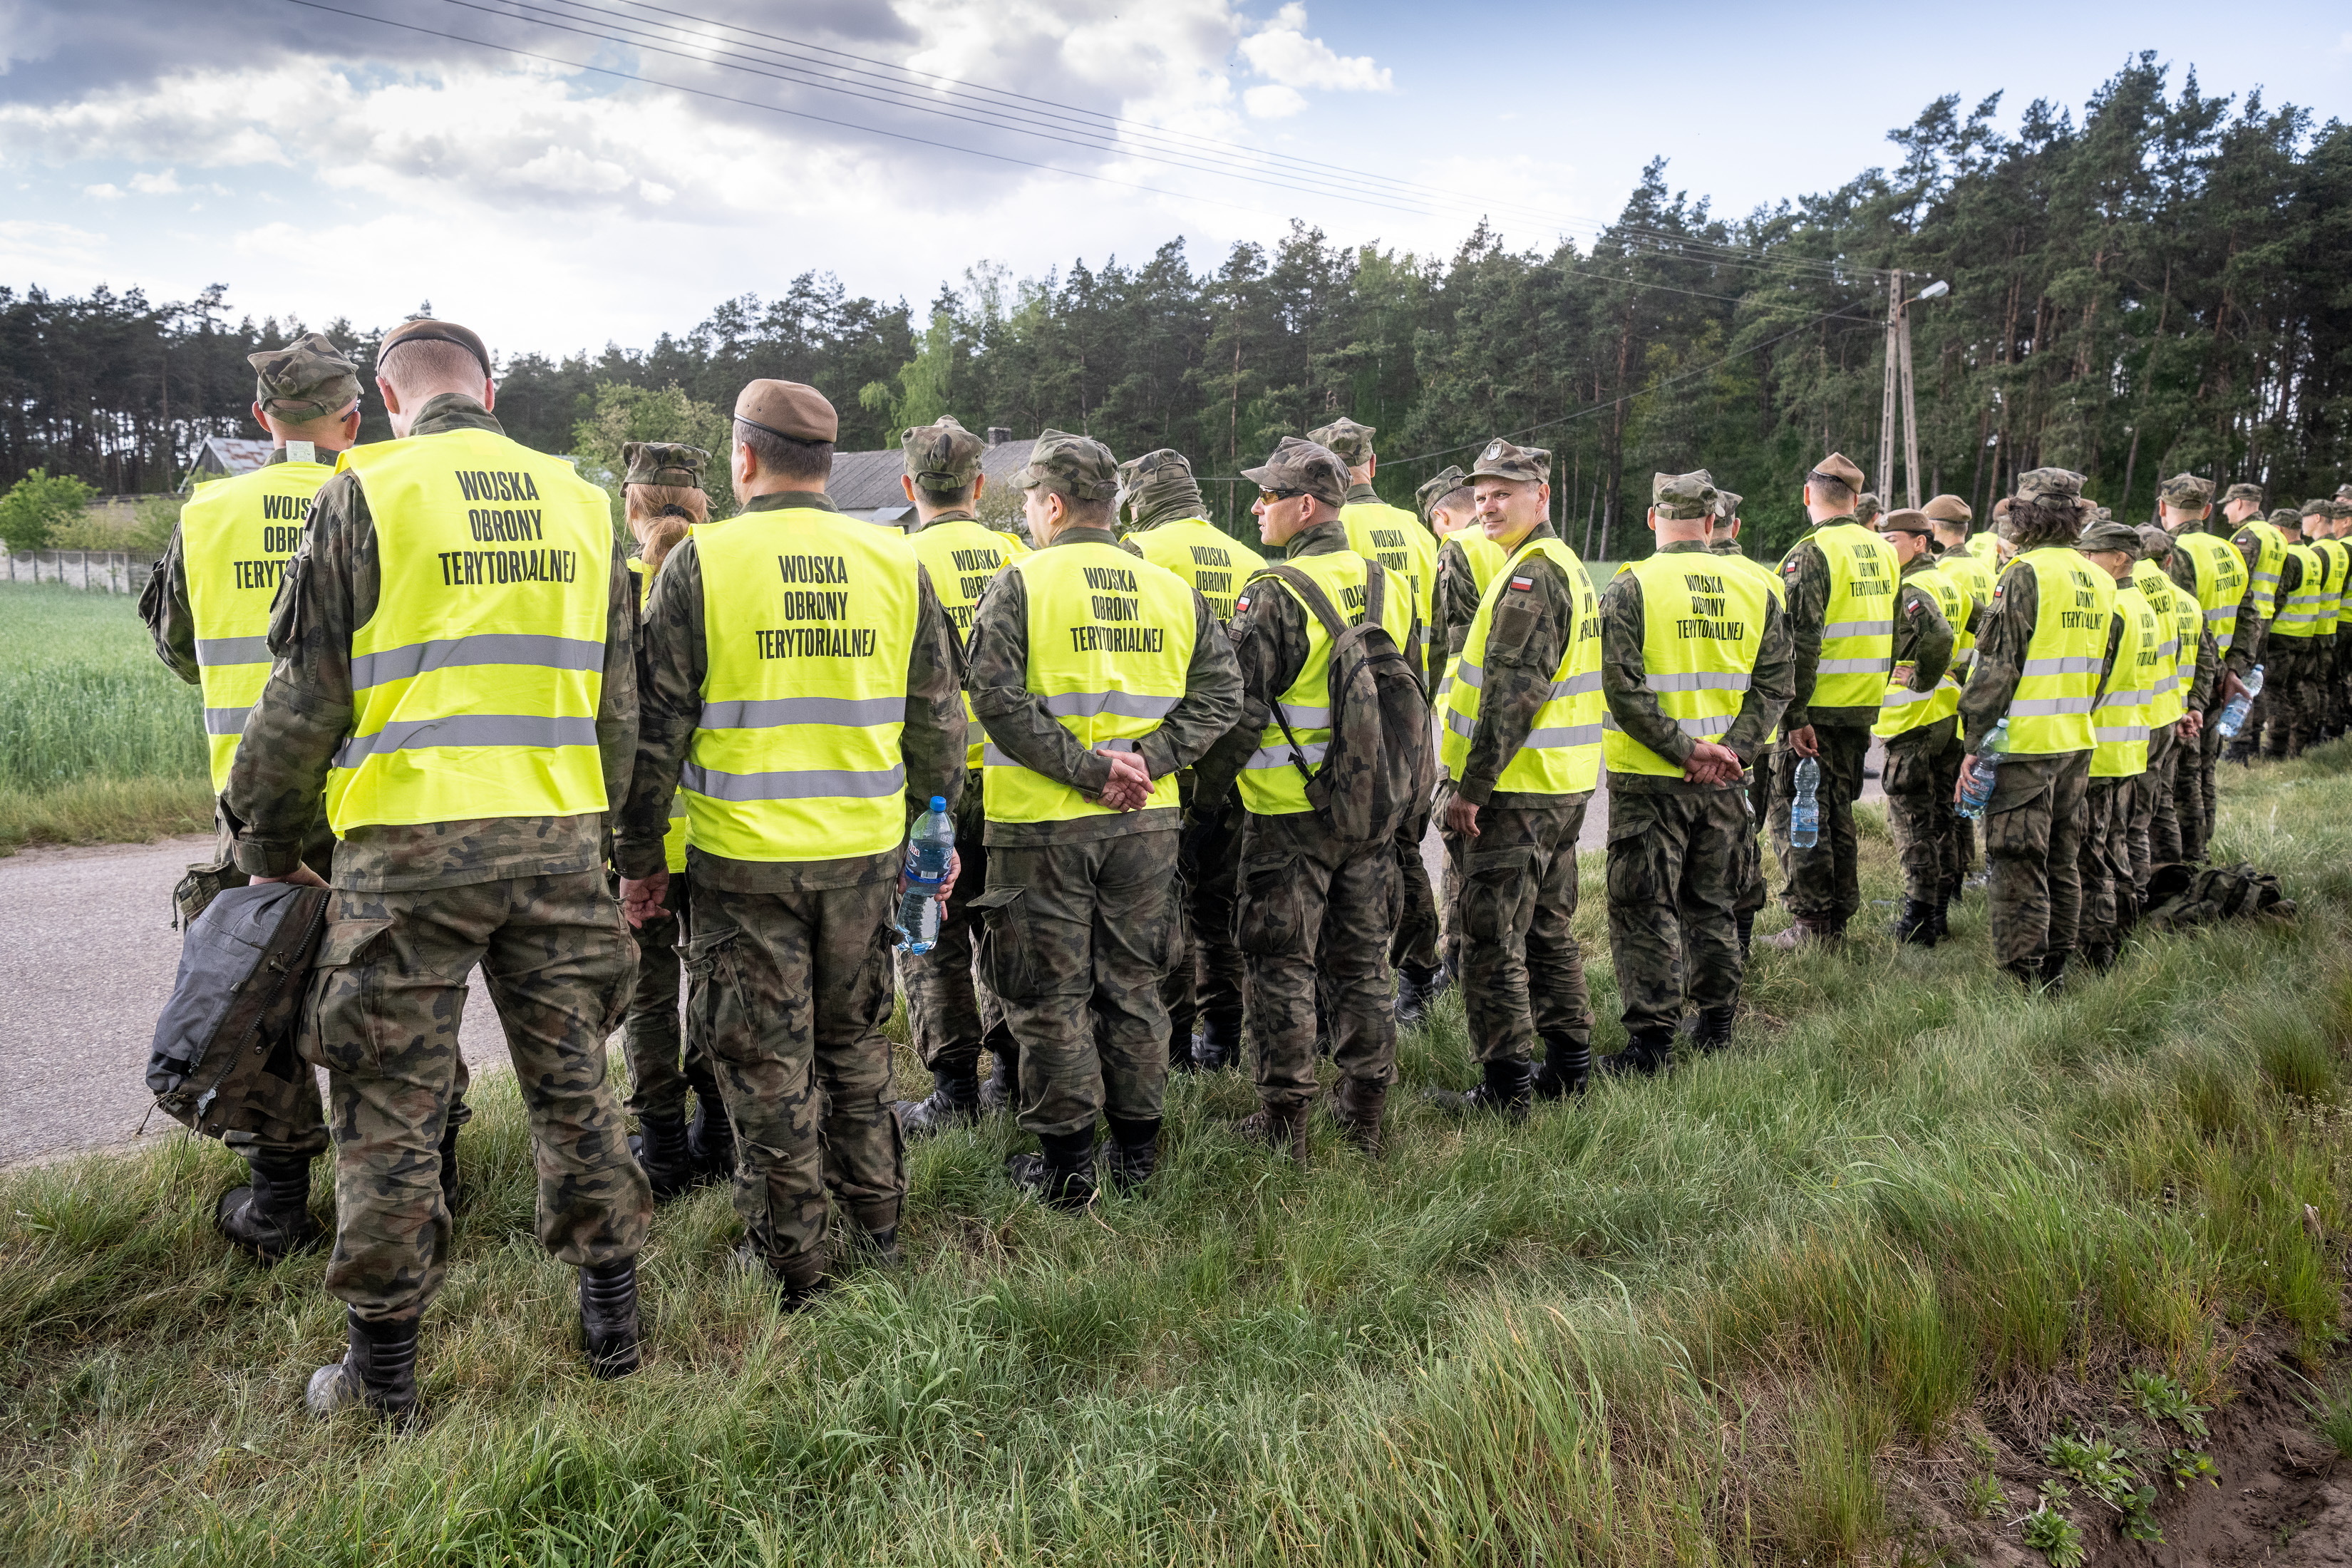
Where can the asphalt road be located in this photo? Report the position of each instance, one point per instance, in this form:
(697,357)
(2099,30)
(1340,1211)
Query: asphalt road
(86,964)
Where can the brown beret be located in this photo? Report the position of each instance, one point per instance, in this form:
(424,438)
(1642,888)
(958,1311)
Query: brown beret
(787,408)
(1839,467)
(1948,509)
(425,329)
(1907,520)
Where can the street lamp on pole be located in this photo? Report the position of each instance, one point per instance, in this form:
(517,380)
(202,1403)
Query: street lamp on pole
(1899,362)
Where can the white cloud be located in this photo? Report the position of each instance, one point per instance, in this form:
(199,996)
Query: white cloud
(1282,50)
(166,184)
(108,191)
(1275,102)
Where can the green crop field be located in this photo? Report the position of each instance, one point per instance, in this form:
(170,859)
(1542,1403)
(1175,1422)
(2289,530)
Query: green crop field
(98,739)
(1845,1292)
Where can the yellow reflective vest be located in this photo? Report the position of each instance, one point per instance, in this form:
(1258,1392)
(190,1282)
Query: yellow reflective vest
(1110,645)
(1213,561)
(1484,557)
(1271,783)
(963,557)
(808,622)
(2219,568)
(2050,711)
(1561,754)
(1902,710)
(2337,558)
(235,537)
(1858,626)
(1702,627)
(475,684)
(2271,547)
(2178,622)
(1395,538)
(1973,576)
(2119,724)
(2301,612)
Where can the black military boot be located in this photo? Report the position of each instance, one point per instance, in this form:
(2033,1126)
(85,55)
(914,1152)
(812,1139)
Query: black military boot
(710,1139)
(1746,920)
(1002,1091)
(1134,1154)
(660,1147)
(1418,990)
(1282,1128)
(1915,927)
(1218,1045)
(1504,1091)
(1567,1069)
(378,1370)
(449,1188)
(608,1316)
(2053,972)
(1062,1172)
(1714,1031)
(797,1280)
(1646,1054)
(269,1217)
(954,1101)
(1359,1103)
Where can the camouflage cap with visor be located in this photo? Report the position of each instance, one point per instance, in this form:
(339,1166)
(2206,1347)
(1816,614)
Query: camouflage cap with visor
(1727,504)
(664,463)
(1303,468)
(1520,465)
(2107,535)
(1684,498)
(941,456)
(1077,467)
(1158,487)
(1867,508)
(308,379)
(1345,439)
(2186,491)
(2049,485)
(2242,492)
(1448,479)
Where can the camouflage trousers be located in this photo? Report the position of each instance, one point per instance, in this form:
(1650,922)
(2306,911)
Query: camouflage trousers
(1923,767)
(1204,982)
(1522,971)
(1316,909)
(950,1014)
(2110,906)
(381,1019)
(791,991)
(1415,945)
(2294,692)
(1676,867)
(665,1060)
(1753,890)
(2192,787)
(2034,846)
(2155,822)
(1823,884)
(1074,940)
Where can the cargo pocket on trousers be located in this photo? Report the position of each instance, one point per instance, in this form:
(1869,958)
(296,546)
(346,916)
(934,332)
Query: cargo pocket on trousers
(1270,919)
(714,1001)
(1003,945)
(1498,890)
(341,950)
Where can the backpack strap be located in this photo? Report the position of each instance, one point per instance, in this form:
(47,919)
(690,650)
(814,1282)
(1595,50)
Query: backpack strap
(1318,603)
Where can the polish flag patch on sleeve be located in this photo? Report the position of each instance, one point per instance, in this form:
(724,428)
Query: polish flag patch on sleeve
(1523,584)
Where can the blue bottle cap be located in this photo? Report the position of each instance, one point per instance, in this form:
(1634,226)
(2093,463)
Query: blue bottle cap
(939,803)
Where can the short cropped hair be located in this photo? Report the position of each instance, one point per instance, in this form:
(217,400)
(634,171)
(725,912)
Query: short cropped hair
(1828,490)
(785,457)
(429,362)
(939,500)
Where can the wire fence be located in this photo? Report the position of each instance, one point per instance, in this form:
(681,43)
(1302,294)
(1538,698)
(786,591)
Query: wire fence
(99,570)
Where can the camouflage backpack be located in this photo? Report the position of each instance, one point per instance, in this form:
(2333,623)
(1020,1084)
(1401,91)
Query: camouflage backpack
(2183,896)
(1378,767)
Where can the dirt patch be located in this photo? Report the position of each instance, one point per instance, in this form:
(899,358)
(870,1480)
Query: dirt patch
(2283,1496)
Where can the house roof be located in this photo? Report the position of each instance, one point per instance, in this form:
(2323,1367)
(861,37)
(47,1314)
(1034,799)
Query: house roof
(866,484)
(233,454)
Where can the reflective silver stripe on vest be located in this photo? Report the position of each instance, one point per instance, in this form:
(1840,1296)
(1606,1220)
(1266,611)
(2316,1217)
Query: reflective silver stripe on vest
(1858,629)
(1703,729)
(225,721)
(1705,681)
(2266,576)
(1303,717)
(2170,650)
(2116,700)
(1575,685)
(1126,704)
(2123,735)
(1903,697)
(2167,682)
(1461,724)
(1470,674)
(808,784)
(767,713)
(468,729)
(2071,665)
(1854,666)
(1565,735)
(1279,757)
(2226,614)
(484,647)
(2044,706)
(212,651)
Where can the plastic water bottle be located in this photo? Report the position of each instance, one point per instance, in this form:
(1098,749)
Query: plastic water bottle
(1805,811)
(1977,794)
(2233,717)
(930,848)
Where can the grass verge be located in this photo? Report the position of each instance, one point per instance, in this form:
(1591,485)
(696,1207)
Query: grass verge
(1700,1319)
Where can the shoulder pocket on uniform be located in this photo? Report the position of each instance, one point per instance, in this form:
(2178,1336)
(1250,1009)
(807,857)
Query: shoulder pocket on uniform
(1003,951)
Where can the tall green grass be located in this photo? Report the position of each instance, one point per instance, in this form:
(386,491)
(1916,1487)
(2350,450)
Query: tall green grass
(98,738)
(1689,1321)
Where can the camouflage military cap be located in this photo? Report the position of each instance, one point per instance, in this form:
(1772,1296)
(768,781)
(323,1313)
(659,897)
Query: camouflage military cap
(2319,506)
(1345,439)
(2186,491)
(1159,484)
(425,329)
(2284,516)
(2242,492)
(1866,507)
(1907,520)
(1683,498)
(308,379)
(1947,510)
(1305,467)
(787,408)
(2049,484)
(1449,480)
(1727,503)
(1839,467)
(2154,542)
(1077,467)
(1522,465)
(664,463)
(943,456)
(2108,535)
(2343,506)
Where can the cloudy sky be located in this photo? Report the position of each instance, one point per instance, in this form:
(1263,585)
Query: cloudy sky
(566,173)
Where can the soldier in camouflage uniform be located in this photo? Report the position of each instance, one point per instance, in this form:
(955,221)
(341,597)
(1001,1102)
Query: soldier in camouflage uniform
(950,1015)
(2110,906)
(1401,542)
(1169,527)
(2316,527)
(1466,563)
(1868,508)
(1950,517)
(1724,541)
(789,955)
(1680,844)
(1923,762)
(2155,817)
(1314,906)
(2035,822)
(1084,819)
(2185,505)
(2241,505)
(415,907)
(2282,722)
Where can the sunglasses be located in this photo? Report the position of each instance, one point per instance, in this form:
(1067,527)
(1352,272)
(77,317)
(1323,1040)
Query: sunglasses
(1269,498)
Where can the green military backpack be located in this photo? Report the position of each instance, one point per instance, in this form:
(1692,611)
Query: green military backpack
(2182,895)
